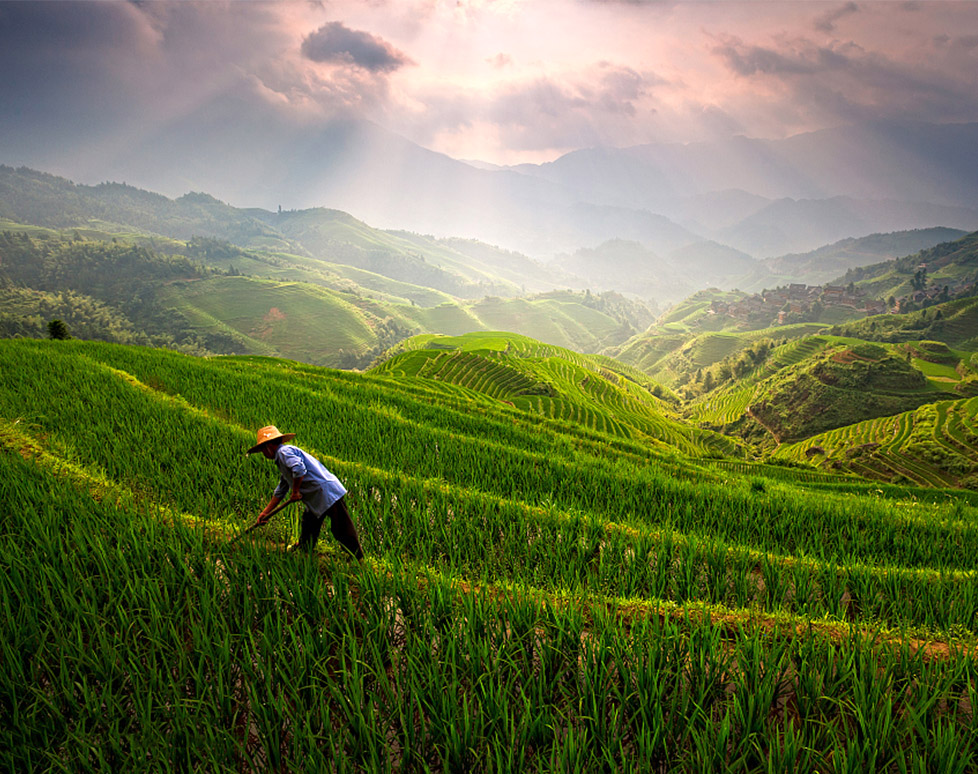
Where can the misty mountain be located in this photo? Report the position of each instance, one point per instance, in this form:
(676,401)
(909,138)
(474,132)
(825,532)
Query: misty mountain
(307,244)
(788,226)
(902,161)
(768,197)
(761,197)
(821,266)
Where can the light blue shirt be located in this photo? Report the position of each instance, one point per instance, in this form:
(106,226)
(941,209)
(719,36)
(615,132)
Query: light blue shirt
(319,488)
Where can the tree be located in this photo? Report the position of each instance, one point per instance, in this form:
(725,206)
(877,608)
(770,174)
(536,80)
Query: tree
(58,330)
(919,281)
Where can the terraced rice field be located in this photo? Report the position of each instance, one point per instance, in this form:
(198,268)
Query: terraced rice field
(936,445)
(537,596)
(728,403)
(557,384)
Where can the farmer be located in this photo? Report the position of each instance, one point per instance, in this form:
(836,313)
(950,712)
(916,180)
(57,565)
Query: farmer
(320,491)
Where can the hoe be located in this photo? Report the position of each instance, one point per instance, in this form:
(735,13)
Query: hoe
(256,525)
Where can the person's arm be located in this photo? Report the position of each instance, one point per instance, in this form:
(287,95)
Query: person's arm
(263,516)
(296,494)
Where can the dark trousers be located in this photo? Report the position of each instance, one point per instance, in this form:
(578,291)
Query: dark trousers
(340,524)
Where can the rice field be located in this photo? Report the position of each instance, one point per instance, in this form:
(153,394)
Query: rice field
(555,384)
(536,597)
(935,445)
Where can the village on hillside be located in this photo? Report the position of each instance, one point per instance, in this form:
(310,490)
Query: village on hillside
(797,302)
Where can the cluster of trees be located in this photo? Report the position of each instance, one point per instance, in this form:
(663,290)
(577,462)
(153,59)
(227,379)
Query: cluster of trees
(732,367)
(633,313)
(98,290)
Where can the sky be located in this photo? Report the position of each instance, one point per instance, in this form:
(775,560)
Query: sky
(502,81)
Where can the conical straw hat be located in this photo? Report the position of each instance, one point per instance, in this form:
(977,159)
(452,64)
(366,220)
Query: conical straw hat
(267,434)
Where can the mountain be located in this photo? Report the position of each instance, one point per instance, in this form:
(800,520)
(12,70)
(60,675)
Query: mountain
(632,267)
(823,265)
(789,225)
(769,197)
(897,161)
(307,240)
(920,279)
(761,197)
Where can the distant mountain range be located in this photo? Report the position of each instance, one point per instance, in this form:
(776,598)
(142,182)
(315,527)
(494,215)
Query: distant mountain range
(760,197)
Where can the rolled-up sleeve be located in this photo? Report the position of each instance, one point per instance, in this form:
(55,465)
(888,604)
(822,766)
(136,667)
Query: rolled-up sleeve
(320,488)
(281,489)
(293,462)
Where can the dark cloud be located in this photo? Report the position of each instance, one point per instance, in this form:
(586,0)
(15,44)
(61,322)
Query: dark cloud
(338,44)
(826,21)
(745,59)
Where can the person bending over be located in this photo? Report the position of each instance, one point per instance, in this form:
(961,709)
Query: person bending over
(321,492)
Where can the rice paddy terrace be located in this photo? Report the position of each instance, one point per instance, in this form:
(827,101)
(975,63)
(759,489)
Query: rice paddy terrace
(538,595)
(817,384)
(555,384)
(935,445)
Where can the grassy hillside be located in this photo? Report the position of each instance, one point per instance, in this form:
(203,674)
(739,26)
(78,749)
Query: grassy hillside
(954,323)
(731,400)
(821,266)
(553,383)
(934,445)
(197,298)
(952,263)
(838,386)
(535,597)
(674,358)
(288,319)
(303,241)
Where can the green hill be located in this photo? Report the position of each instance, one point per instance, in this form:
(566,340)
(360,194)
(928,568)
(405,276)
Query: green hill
(837,386)
(954,323)
(821,266)
(553,383)
(953,264)
(307,241)
(673,358)
(197,298)
(536,596)
(934,445)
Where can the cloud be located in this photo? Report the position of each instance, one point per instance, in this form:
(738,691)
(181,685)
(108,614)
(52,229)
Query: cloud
(600,105)
(745,59)
(500,60)
(336,43)
(826,21)
(800,81)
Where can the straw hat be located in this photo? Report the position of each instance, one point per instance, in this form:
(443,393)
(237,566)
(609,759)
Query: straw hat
(267,434)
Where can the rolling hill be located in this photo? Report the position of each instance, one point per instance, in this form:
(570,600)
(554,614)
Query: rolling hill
(952,264)
(306,238)
(555,384)
(833,383)
(934,445)
(196,297)
(824,265)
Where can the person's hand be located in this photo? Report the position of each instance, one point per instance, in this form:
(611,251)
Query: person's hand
(263,518)
(296,496)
